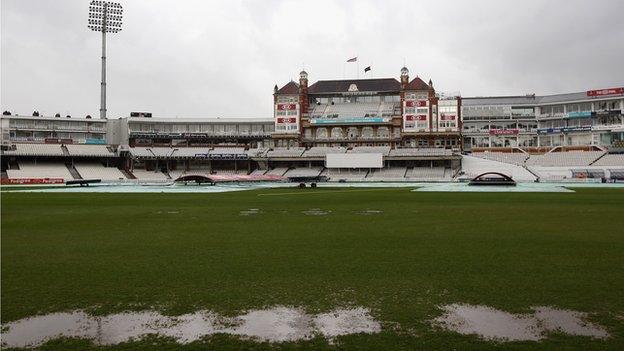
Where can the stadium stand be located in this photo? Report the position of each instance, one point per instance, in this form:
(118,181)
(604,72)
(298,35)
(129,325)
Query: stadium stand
(40,170)
(353,110)
(616,174)
(347,174)
(277,171)
(256,172)
(284,152)
(142,174)
(588,173)
(569,158)
(610,160)
(384,150)
(36,150)
(259,152)
(141,152)
(228,151)
(428,174)
(89,150)
(322,151)
(304,172)
(428,152)
(515,158)
(188,152)
(162,152)
(387,174)
(98,171)
(229,172)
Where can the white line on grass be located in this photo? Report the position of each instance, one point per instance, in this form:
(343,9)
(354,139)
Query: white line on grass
(329,192)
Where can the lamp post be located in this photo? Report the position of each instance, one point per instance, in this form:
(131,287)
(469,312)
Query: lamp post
(105,17)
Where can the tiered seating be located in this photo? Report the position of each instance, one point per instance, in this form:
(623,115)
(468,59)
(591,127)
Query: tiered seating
(186,152)
(426,173)
(384,150)
(354,110)
(142,174)
(259,152)
(162,151)
(304,172)
(98,171)
(257,172)
(427,152)
(345,173)
(569,158)
(516,158)
(36,150)
(616,174)
(386,174)
(319,151)
(227,151)
(229,172)
(277,171)
(89,150)
(40,170)
(588,173)
(610,160)
(348,110)
(141,152)
(284,152)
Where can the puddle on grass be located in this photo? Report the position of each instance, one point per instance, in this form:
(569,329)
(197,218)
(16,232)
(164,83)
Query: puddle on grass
(493,324)
(369,212)
(316,212)
(250,212)
(277,324)
(346,321)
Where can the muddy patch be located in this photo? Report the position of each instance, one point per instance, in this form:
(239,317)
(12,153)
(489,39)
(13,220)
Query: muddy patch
(316,212)
(250,212)
(493,324)
(278,324)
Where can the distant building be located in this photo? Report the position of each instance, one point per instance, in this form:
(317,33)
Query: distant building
(365,112)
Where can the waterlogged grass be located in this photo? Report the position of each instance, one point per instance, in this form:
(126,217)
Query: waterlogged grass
(397,252)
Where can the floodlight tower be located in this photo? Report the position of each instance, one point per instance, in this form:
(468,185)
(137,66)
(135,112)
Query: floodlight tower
(105,17)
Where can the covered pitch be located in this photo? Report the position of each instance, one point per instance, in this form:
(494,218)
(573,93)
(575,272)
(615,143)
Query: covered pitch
(227,178)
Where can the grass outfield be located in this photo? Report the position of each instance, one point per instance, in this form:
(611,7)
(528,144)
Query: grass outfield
(178,253)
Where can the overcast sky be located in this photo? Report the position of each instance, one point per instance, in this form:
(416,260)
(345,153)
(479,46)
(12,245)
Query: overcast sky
(222,58)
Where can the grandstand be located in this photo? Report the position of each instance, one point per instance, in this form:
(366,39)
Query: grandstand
(285,152)
(387,174)
(384,150)
(515,158)
(144,175)
(346,174)
(89,150)
(27,169)
(35,150)
(568,158)
(420,152)
(610,160)
(428,174)
(304,172)
(278,171)
(320,151)
(353,110)
(98,171)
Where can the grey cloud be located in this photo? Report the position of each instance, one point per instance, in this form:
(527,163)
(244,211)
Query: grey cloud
(222,58)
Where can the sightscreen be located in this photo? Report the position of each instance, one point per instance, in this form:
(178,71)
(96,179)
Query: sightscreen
(372,160)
